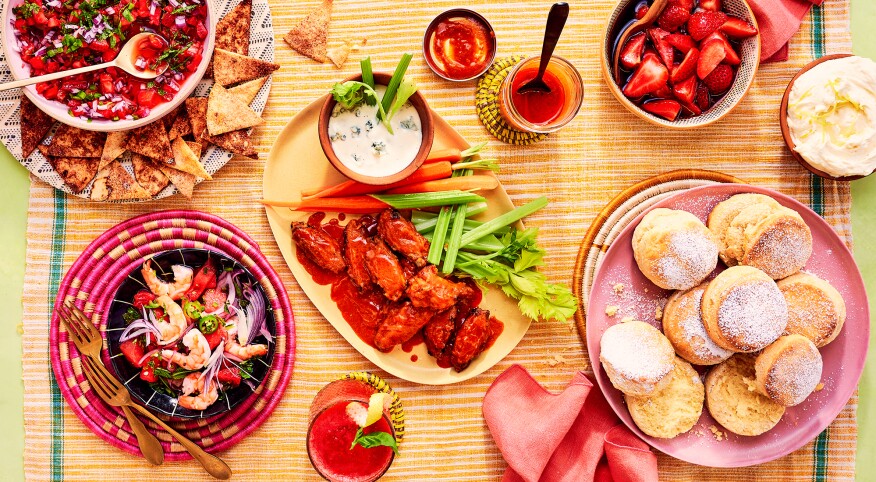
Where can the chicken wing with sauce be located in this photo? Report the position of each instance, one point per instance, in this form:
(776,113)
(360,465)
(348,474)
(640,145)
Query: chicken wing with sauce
(385,269)
(428,290)
(319,246)
(471,339)
(401,321)
(355,250)
(439,331)
(402,236)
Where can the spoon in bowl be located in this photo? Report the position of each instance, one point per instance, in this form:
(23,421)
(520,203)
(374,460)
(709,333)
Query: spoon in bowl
(650,17)
(126,60)
(555,23)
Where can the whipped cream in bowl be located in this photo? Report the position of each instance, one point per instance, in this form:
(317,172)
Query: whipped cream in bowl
(831,117)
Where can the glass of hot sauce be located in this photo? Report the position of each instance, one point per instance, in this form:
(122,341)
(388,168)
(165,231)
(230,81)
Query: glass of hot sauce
(459,45)
(332,431)
(537,111)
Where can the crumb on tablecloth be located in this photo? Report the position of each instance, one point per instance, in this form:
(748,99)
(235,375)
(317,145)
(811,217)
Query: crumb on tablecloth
(611,310)
(719,435)
(618,288)
(627,319)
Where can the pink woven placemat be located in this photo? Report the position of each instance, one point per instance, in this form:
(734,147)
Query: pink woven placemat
(91,284)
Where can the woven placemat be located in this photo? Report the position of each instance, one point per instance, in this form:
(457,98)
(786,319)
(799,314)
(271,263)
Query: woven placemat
(487,104)
(617,214)
(91,283)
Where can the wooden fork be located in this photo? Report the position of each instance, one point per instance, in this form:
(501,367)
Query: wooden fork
(115,394)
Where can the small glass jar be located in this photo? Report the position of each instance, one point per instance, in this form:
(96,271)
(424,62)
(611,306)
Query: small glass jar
(328,431)
(560,73)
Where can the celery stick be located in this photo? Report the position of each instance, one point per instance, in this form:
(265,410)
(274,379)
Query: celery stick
(456,231)
(506,219)
(436,249)
(474,209)
(394,82)
(488,243)
(367,74)
(428,199)
(473,150)
(428,225)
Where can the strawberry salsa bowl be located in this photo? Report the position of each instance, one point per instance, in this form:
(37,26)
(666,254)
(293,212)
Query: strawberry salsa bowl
(46,36)
(688,69)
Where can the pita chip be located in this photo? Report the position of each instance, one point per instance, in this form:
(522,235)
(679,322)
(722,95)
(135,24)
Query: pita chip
(226,113)
(185,160)
(151,141)
(148,176)
(35,124)
(230,68)
(248,91)
(113,148)
(310,36)
(76,172)
(114,183)
(181,125)
(232,31)
(238,142)
(338,55)
(72,142)
(184,182)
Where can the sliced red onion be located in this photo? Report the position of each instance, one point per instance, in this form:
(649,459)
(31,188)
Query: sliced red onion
(97,19)
(40,52)
(140,63)
(139,327)
(173,3)
(211,370)
(255,314)
(110,10)
(180,21)
(152,7)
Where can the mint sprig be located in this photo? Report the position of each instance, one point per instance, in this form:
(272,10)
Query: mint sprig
(375,439)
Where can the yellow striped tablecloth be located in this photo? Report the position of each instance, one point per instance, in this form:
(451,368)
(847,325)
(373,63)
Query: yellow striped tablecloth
(580,168)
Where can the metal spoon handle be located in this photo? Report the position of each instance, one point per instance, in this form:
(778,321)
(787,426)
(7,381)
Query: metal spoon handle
(555,23)
(53,76)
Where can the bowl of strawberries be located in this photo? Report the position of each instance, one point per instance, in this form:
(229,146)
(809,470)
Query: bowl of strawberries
(690,67)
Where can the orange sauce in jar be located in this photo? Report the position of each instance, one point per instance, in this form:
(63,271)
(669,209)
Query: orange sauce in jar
(460,47)
(536,106)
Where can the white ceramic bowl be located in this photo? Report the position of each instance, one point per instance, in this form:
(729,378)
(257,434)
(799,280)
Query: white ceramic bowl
(59,111)
(749,53)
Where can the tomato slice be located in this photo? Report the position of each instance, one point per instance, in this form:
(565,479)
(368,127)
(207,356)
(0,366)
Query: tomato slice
(143,298)
(106,84)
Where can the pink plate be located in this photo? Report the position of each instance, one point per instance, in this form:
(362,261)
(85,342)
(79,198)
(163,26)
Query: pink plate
(843,358)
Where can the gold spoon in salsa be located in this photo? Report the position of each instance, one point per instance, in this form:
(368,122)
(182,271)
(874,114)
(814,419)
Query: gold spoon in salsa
(130,59)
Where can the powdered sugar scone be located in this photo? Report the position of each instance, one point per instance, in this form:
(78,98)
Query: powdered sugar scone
(816,309)
(788,370)
(724,212)
(674,249)
(637,358)
(775,240)
(743,309)
(734,402)
(675,409)
(683,326)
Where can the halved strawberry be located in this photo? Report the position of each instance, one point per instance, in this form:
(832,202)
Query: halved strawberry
(672,17)
(680,41)
(738,28)
(720,79)
(668,109)
(664,92)
(713,5)
(686,90)
(730,55)
(704,22)
(650,76)
(688,4)
(687,67)
(631,55)
(711,55)
(704,100)
(664,49)
(641,10)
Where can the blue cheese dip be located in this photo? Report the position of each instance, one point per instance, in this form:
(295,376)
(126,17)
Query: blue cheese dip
(363,144)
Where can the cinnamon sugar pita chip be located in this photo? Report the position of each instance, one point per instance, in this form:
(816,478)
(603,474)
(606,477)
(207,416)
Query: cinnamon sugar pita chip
(310,36)
(226,112)
(230,68)
(76,172)
(73,142)
(113,147)
(185,160)
(151,141)
(114,183)
(238,142)
(248,91)
(148,175)
(35,124)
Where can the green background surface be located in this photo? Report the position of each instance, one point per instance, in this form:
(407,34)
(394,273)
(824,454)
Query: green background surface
(13,218)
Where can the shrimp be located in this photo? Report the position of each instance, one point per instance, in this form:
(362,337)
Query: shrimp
(182,280)
(199,351)
(194,382)
(233,346)
(170,330)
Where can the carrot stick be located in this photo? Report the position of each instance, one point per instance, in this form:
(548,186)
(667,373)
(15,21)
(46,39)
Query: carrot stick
(428,172)
(452,154)
(349,205)
(468,183)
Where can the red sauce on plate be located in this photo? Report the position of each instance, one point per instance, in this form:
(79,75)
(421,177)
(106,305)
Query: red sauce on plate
(328,445)
(460,47)
(535,106)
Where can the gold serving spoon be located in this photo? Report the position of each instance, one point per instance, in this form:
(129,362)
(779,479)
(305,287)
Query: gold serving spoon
(650,17)
(126,60)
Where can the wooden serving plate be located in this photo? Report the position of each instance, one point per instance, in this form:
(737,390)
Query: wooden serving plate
(296,163)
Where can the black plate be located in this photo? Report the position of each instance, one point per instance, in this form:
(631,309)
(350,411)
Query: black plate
(129,374)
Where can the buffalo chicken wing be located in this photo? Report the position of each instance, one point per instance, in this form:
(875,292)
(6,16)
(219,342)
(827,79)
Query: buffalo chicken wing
(319,246)
(428,290)
(355,250)
(401,321)
(471,338)
(385,269)
(402,236)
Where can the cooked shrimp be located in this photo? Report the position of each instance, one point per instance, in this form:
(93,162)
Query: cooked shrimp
(182,280)
(233,346)
(194,382)
(170,330)
(199,351)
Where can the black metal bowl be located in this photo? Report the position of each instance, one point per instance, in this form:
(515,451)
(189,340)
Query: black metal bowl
(129,374)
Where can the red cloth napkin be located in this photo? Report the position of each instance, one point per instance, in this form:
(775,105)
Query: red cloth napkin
(570,436)
(778,21)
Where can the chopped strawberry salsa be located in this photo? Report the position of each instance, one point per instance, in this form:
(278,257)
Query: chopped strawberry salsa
(57,35)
